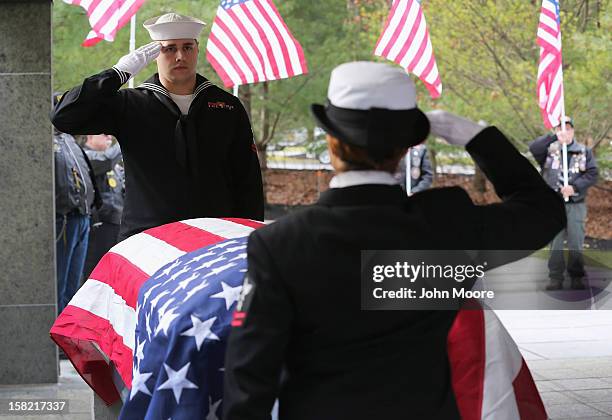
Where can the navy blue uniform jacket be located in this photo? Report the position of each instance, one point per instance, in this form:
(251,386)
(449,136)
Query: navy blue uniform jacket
(304,316)
(215,171)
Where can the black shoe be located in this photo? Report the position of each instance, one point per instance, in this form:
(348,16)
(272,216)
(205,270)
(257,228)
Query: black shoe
(577,284)
(554,284)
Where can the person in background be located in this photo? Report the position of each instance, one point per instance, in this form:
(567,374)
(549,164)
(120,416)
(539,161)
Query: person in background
(75,197)
(421,171)
(105,158)
(582,174)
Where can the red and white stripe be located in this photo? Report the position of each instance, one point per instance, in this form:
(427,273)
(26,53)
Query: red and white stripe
(490,378)
(550,71)
(106,17)
(97,328)
(405,41)
(250,43)
(98,325)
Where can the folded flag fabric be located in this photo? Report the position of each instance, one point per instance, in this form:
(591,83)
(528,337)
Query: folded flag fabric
(97,328)
(151,325)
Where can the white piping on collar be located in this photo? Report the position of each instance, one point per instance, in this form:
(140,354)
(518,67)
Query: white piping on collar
(157,88)
(352,178)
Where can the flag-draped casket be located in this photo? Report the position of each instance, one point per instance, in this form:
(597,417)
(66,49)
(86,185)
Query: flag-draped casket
(151,323)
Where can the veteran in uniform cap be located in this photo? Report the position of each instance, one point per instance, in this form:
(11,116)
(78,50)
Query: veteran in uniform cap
(582,174)
(176,120)
(299,333)
(415,168)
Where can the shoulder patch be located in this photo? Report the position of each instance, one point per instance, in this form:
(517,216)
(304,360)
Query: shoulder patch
(244,301)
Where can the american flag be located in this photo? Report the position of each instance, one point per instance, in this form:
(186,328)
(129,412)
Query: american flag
(405,41)
(151,325)
(97,328)
(249,42)
(550,71)
(183,318)
(106,17)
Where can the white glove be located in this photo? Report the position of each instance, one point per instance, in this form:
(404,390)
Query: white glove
(137,60)
(453,128)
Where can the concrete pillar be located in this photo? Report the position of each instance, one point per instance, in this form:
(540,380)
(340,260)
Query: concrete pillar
(27,249)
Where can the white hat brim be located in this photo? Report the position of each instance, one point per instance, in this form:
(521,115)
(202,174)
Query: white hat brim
(174,30)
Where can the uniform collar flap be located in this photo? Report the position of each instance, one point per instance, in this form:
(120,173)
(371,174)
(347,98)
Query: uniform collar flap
(154,84)
(365,195)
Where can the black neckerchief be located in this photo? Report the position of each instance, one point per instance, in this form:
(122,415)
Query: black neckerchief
(185,141)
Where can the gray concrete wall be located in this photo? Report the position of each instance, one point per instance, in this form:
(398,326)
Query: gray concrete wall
(27,267)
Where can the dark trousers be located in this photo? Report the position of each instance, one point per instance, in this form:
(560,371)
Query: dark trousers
(102,237)
(574,232)
(72,235)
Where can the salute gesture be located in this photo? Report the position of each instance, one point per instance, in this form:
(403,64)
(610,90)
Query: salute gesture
(137,60)
(165,126)
(454,129)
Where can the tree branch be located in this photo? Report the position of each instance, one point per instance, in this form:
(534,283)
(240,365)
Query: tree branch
(266,141)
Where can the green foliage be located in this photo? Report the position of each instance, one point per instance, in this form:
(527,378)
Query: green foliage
(72,63)
(487,57)
(485,50)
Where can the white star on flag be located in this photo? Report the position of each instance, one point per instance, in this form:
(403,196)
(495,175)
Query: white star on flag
(183,284)
(177,381)
(235,248)
(229,293)
(201,330)
(139,383)
(139,351)
(166,320)
(148,324)
(201,257)
(169,269)
(210,263)
(161,311)
(178,273)
(196,289)
(157,298)
(217,270)
(148,293)
(242,256)
(224,244)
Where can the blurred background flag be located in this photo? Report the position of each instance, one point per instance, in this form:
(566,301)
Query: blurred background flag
(106,17)
(405,41)
(550,71)
(249,42)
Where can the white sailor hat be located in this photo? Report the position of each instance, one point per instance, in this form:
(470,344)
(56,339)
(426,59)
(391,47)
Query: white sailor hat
(173,26)
(372,105)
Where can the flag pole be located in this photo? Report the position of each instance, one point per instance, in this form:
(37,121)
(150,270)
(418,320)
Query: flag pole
(408,160)
(132,42)
(564,147)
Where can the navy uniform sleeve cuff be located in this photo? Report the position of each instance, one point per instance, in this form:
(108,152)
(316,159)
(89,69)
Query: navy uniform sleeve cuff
(123,76)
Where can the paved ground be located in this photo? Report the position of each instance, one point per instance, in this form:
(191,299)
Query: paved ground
(70,387)
(569,354)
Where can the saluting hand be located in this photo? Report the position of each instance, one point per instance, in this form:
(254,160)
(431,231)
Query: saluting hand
(452,128)
(137,60)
